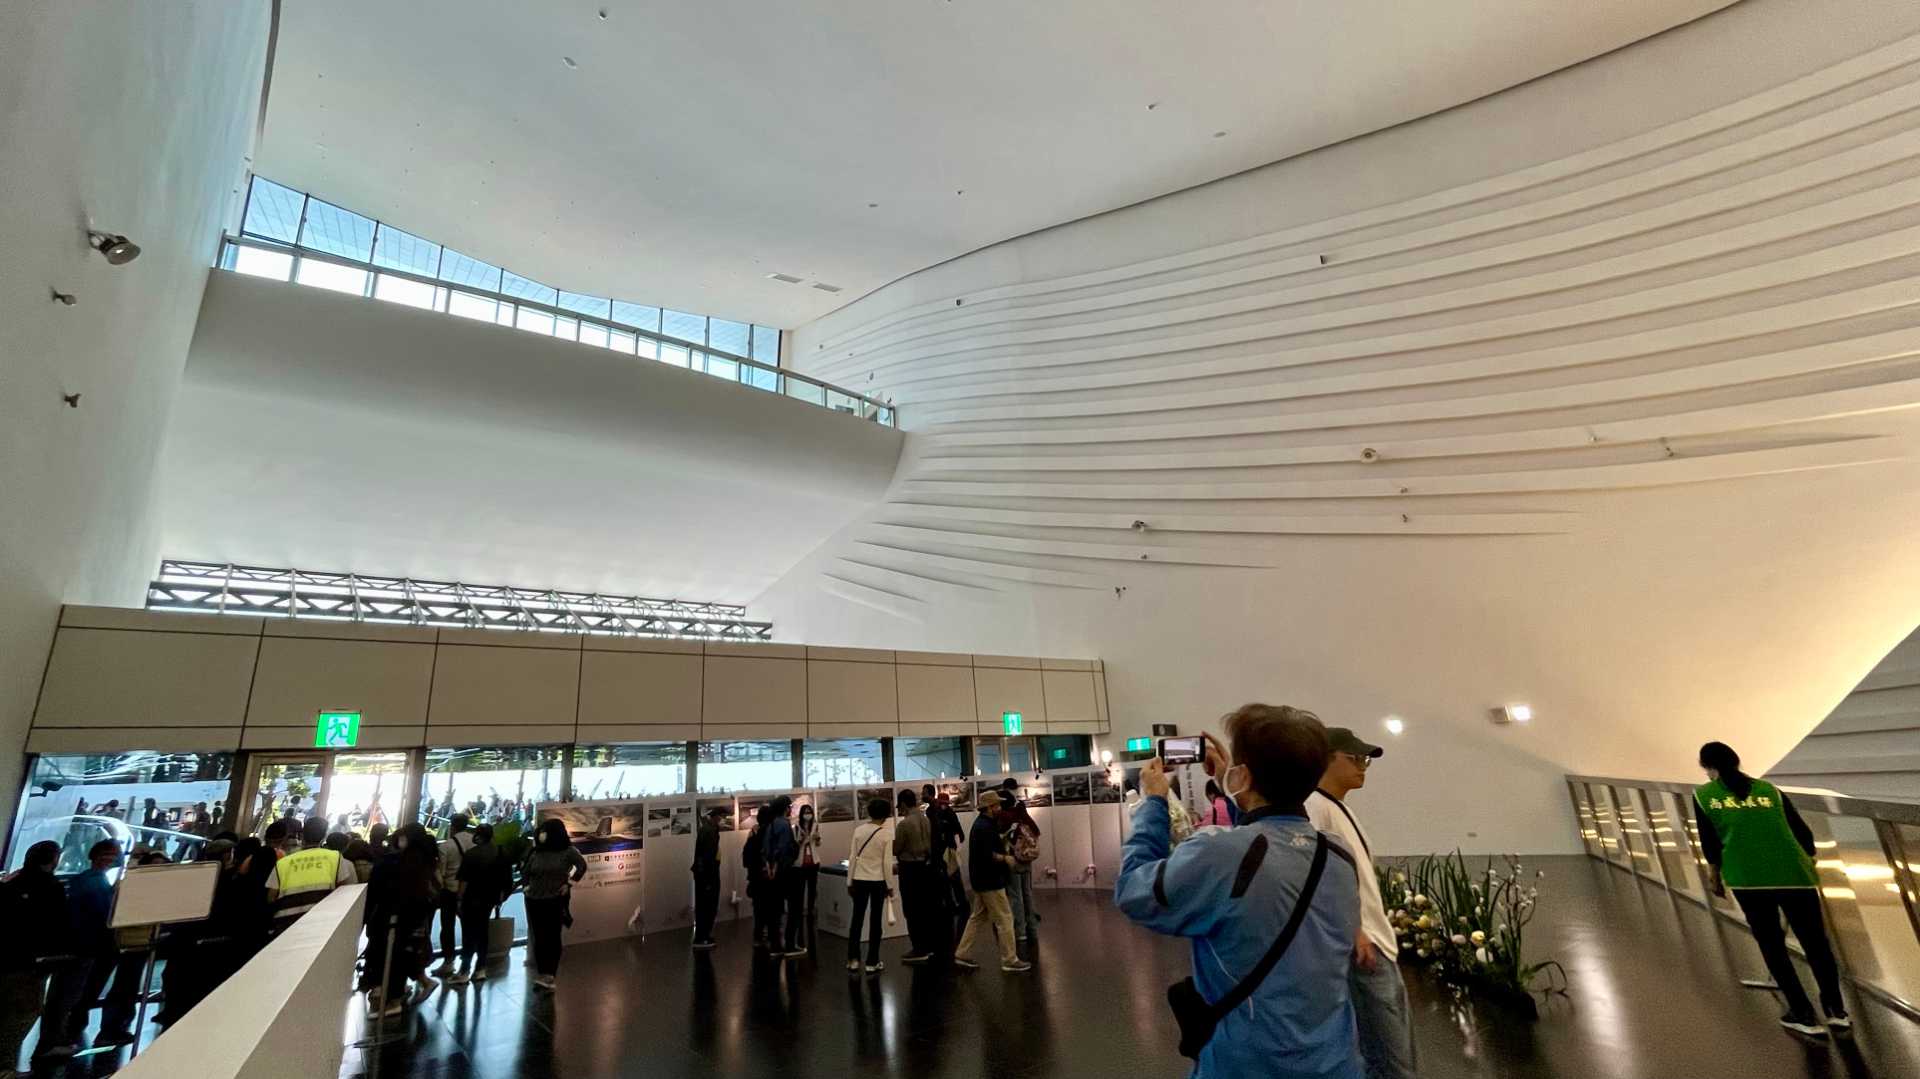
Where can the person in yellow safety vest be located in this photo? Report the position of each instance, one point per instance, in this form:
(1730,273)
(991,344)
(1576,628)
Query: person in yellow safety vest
(302,879)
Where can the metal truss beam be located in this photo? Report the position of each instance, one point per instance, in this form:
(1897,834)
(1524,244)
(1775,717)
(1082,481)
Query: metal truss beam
(224,588)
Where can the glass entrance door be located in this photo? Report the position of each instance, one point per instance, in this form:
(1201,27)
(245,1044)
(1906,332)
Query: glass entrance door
(283,786)
(352,792)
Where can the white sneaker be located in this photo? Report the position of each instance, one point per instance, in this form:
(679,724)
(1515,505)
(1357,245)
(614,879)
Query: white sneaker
(853,966)
(1017,966)
(479,974)
(542,981)
(875,968)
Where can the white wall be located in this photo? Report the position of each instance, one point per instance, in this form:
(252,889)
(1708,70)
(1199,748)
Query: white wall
(337,433)
(1869,746)
(1630,344)
(281,1015)
(137,117)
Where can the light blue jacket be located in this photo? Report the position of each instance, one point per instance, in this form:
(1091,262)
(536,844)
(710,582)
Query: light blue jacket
(1299,1022)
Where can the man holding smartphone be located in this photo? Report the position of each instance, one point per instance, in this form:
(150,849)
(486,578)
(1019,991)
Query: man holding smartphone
(1379,995)
(1271,906)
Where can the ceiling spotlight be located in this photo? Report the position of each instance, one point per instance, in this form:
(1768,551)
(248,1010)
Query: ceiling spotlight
(66,298)
(1219,134)
(1512,713)
(1106,756)
(118,250)
(1395,725)
(603,13)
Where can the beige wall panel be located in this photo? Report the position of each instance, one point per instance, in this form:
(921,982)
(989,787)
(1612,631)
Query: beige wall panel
(643,644)
(1024,663)
(517,735)
(1100,700)
(858,693)
(639,687)
(1066,664)
(750,732)
(942,695)
(160,621)
(999,690)
(387,684)
(120,739)
(122,678)
(856,655)
(371,738)
(503,687)
(935,659)
(759,691)
(757,651)
(498,638)
(351,631)
(1071,727)
(939,730)
(853,730)
(1070,697)
(638,732)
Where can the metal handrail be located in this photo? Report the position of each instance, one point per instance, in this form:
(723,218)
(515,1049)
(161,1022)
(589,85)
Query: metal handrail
(301,251)
(1836,804)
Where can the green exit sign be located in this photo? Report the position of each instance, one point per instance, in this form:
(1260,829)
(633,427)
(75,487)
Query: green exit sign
(1139,745)
(1010,722)
(336,730)
(1060,754)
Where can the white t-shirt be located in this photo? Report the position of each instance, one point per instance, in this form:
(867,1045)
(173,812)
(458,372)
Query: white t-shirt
(1327,815)
(870,855)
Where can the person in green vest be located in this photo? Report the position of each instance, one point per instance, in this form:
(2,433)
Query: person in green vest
(1757,845)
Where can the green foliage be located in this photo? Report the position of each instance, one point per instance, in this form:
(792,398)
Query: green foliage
(1468,927)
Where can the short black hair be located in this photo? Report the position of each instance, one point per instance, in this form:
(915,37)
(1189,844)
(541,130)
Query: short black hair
(927,791)
(43,855)
(276,832)
(907,799)
(717,811)
(1284,749)
(314,832)
(103,848)
(459,822)
(483,834)
(878,809)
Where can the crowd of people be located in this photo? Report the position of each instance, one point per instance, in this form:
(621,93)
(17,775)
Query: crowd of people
(74,962)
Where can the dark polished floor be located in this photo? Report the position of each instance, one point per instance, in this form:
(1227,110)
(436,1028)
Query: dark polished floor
(1655,993)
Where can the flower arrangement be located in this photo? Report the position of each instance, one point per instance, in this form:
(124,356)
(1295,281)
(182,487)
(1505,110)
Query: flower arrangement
(1468,928)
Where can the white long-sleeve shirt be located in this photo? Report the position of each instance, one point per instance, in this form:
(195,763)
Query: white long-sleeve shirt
(1327,816)
(870,857)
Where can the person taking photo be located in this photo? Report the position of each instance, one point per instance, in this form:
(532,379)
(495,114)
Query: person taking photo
(1271,907)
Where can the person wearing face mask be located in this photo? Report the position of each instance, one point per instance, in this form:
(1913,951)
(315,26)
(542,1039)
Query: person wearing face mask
(1380,1006)
(1271,906)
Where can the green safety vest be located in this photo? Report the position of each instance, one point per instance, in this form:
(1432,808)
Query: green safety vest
(1757,848)
(314,870)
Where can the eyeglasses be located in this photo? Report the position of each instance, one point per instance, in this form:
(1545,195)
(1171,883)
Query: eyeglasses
(1359,761)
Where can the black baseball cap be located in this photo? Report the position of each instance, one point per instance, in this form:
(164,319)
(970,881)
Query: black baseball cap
(1343,740)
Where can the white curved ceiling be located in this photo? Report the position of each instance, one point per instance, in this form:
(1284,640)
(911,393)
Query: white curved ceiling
(679,153)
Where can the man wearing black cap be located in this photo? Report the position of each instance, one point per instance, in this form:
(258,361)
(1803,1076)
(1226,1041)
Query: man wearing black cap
(1379,996)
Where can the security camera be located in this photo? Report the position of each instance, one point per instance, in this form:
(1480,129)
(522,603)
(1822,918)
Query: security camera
(116,249)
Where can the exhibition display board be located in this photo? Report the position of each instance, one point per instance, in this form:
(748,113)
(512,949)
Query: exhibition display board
(639,852)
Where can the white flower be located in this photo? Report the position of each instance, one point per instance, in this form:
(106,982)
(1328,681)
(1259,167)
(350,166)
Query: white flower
(1481,955)
(1479,937)
(1422,953)
(1538,873)
(1463,920)
(1459,939)
(1419,900)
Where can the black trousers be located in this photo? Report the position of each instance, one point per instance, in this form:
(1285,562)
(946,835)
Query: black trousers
(543,925)
(793,885)
(810,881)
(959,909)
(868,897)
(449,905)
(921,890)
(706,900)
(474,938)
(1763,908)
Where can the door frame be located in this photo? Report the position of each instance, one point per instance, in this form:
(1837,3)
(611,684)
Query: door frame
(252,761)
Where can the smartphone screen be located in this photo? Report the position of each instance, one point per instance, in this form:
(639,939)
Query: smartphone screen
(1181,751)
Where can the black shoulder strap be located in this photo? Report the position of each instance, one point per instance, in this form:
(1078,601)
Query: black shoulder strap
(1341,806)
(1238,994)
(863,846)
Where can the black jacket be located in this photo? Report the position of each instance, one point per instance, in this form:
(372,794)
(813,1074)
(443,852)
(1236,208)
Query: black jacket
(984,846)
(35,905)
(706,846)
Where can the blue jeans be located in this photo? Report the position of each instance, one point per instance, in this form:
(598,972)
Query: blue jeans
(1020,898)
(1386,1028)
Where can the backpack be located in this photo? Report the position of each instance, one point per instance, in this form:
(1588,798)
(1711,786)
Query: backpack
(1026,849)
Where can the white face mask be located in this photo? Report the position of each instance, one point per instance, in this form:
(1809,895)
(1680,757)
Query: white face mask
(1235,795)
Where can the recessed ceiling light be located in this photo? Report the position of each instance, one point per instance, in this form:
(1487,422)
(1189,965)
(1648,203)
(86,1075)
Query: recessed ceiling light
(785,279)
(873,206)
(570,62)
(1521,713)
(824,287)
(603,13)
(1395,725)
(962,191)
(1152,105)
(1219,134)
